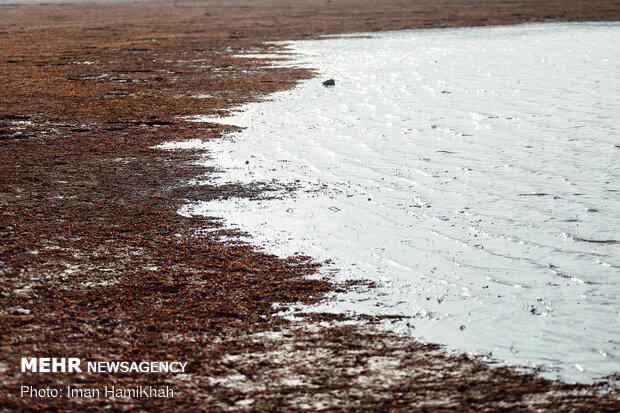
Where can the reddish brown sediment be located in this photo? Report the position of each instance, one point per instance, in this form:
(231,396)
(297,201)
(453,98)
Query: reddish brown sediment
(95,262)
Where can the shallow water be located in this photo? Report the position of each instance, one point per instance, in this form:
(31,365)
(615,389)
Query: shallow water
(472,173)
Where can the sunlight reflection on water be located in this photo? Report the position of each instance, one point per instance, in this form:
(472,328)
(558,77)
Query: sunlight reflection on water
(472,173)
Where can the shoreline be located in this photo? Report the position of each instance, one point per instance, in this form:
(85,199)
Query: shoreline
(97,264)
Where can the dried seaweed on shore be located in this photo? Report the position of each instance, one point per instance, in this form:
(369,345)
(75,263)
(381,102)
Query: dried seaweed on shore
(96,263)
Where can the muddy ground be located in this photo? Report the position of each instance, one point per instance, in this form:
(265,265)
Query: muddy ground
(95,263)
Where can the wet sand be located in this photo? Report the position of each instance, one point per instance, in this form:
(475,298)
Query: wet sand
(96,263)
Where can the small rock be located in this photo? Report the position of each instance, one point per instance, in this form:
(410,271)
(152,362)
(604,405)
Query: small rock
(329,82)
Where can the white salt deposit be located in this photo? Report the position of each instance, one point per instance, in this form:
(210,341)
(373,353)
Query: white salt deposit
(472,173)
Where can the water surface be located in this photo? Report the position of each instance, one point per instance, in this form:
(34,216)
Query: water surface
(473,174)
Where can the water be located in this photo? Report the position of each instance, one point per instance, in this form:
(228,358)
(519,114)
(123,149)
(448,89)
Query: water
(473,174)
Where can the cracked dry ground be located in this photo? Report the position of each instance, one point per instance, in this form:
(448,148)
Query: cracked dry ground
(96,264)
